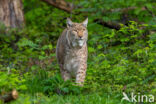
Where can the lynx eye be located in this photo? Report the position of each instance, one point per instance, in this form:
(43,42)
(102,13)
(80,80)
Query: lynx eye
(75,31)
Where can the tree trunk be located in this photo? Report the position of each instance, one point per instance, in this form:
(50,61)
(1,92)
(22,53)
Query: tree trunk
(11,13)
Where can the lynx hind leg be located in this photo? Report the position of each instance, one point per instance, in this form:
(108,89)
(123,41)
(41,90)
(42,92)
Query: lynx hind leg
(80,77)
(65,75)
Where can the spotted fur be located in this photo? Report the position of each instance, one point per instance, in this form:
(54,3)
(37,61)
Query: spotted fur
(72,52)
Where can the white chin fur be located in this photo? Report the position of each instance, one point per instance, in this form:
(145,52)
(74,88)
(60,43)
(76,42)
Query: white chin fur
(78,43)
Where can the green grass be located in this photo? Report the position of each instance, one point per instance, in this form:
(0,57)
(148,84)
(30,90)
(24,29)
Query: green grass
(93,98)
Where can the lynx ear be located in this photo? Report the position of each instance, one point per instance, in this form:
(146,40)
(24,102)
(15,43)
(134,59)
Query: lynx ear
(85,22)
(69,22)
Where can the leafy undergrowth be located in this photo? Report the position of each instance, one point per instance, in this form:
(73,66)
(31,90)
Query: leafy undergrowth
(116,63)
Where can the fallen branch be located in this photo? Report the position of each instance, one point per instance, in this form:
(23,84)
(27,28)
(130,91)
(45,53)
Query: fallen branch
(61,4)
(68,7)
(149,11)
(111,25)
(124,9)
(13,95)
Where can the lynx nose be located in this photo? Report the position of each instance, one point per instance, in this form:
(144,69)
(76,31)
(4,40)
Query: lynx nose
(80,37)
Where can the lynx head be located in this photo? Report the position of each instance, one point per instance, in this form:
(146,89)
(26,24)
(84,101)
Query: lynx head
(77,33)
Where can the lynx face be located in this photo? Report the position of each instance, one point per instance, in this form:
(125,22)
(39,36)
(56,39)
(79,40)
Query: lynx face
(78,33)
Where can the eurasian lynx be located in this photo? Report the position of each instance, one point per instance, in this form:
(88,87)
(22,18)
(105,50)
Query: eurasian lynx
(72,52)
